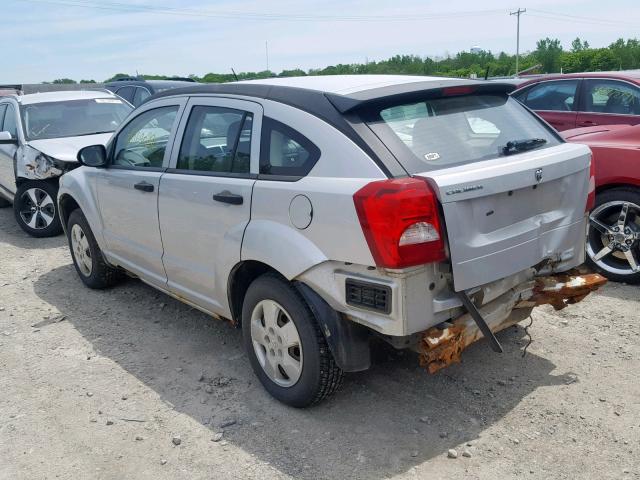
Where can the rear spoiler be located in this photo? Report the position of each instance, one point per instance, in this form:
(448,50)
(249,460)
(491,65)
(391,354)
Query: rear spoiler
(408,92)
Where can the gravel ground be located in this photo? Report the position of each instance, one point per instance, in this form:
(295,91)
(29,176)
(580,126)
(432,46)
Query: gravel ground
(129,383)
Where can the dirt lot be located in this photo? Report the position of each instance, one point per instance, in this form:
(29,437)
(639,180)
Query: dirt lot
(98,384)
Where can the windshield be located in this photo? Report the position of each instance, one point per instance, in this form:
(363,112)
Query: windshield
(73,118)
(442,132)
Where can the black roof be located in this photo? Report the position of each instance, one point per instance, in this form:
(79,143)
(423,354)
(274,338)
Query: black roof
(339,110)
(164,84)
(310,99)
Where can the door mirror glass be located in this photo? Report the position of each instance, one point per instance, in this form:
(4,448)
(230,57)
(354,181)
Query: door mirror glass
(7,139)
(93,156)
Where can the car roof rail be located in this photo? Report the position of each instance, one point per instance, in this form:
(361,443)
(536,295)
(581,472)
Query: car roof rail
(101,89)
(128,79)
(181,79)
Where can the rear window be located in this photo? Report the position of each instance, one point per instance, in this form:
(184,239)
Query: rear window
(447,131)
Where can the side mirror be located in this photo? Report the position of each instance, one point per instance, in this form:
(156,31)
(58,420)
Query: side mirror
(7,139)
(93,156)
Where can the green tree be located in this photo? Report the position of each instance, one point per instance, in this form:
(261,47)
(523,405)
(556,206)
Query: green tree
(63,81)
(578,45)
(548,53)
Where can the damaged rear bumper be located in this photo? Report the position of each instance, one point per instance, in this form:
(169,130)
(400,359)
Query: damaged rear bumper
(442,345)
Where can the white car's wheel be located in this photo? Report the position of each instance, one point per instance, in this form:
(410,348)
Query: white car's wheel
(35,208)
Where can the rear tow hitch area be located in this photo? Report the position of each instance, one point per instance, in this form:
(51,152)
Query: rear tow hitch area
(562,290)
(442,345)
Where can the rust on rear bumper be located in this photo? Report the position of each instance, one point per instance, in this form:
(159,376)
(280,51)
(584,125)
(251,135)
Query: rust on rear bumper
(440,347)
(562,290)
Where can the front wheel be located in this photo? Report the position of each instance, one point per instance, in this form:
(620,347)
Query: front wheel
(35,208)
(87,256)
(613,242)
(287,350)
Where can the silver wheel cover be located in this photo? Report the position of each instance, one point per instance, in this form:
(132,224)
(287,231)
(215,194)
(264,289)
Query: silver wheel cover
(81,250)
(276,343)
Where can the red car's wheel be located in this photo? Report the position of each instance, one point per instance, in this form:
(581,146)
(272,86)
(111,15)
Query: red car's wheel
(613,242)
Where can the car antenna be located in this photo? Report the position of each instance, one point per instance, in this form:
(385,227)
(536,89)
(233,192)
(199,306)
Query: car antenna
(234,74)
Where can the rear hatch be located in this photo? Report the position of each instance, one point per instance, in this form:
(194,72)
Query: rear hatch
(513,195)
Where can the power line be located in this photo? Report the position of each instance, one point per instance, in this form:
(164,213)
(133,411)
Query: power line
(116,6)
(300,17)
(579,18)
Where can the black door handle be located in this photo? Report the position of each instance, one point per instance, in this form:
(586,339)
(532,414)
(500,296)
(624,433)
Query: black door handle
(144,186)
(228,197)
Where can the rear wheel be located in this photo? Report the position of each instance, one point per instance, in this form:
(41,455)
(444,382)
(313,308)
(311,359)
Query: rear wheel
(35,208)
(287,350)
(87,256)
(613,242)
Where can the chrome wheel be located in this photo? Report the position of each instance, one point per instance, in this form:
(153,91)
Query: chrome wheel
(276,343)
(614,237)
(38,210)
(81,250)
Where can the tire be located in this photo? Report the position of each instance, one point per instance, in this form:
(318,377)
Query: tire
(86,254)
(619,249)
(36,210)
(311,373)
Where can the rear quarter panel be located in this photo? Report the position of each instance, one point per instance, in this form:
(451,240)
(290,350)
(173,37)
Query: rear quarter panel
(616,165)
(334,232)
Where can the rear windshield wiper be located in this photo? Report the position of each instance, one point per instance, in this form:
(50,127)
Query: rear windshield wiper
(515,146)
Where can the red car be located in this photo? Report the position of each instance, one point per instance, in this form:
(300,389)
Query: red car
(613,242)
(577,100)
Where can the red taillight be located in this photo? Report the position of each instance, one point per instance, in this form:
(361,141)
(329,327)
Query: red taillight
(591,198)
(399,218)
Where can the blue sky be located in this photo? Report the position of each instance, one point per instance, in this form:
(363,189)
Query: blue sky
(48,39)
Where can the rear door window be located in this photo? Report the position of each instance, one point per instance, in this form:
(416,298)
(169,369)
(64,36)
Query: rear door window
(285,151)
(126,93)
(611,96)
(140,96)
(216,140)
(553,96)
(443,132)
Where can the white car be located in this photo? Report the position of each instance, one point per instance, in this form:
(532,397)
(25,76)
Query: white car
(40,136)
(320,212)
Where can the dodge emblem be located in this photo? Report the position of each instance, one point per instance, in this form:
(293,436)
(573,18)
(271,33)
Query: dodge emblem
(539,175)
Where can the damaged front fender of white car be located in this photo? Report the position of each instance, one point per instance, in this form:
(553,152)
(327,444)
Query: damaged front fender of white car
(32,164)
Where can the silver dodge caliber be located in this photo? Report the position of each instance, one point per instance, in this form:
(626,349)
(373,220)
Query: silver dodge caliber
(320,213)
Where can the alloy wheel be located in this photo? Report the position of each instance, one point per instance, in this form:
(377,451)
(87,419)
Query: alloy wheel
(276,343)
(38,208)
(614,237)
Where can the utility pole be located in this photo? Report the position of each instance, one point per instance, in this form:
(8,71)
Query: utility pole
(266,50)
(518,12)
